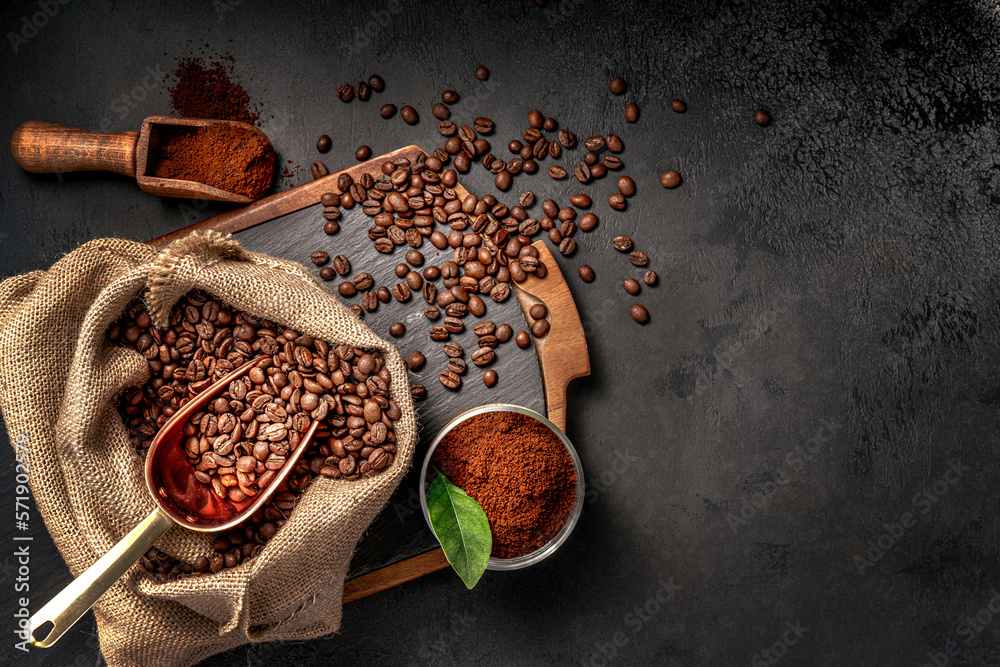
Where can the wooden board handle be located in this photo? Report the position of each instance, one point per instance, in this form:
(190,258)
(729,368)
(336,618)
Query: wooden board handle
(49,148)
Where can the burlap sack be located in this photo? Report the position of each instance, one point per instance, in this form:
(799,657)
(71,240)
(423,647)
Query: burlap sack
(59,379)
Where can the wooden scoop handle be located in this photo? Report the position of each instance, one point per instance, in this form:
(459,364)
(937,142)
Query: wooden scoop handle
(49,148)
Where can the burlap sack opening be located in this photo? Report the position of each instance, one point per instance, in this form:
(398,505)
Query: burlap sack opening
(59,380)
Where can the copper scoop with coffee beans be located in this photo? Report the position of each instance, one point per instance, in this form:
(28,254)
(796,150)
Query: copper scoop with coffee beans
(241,413)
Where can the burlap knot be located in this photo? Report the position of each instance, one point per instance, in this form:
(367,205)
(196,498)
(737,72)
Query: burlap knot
(59,380)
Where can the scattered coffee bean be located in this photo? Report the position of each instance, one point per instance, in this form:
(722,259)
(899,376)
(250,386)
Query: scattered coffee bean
(502,181)
(617,85)
(483,356)
(328,199)
(614,143)
(345,92)
(526,199)
(626,186)
(432,313)
(324,143)
(678,106)
(540,328)
(580,201)
(326,273)
(582,172)
(598,170)
(639,313)
(383,294)
(318,170)
(514,146)
(418,392)
(401,292)
(362,91)
(617,201)
(387,110)
(670,179)
(409,114)
(594,143)
(649,277)
(332,211)
(550,124)
(504,333)
(363,153)
(453,349)
(416,360)
(449,97)
(538,311)
(632,112)
(397,329)
(376,83)
(347,289)
(566,139)
(450,379)
(432,273)
(567,247)
(440,111)
(611,162)
(762,117)
(557,171)
(482,125)
(631,285)
(535,118)
(586,273)
(588,222)
(638,258)
(482,73)
(457,366)
(622,243)
(414,257)
(522,339)
(490,378)
(319,257)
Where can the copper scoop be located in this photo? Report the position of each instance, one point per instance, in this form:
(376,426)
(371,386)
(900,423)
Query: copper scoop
(48,148)
(180,499)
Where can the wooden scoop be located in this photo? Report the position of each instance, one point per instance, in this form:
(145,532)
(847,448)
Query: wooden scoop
(48,148)
(180,499)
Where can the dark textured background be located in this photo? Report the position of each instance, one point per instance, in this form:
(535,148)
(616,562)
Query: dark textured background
(827,284)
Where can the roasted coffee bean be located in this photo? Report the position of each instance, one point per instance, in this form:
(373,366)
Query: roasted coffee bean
(761,117)
(330,200)
(483,356)
(638,258)
(357,310)
(432,312)
(594,143)
(535,118)
(649,277)
(526,199)
(397,329)
(586,273)
(617,201)
(567,139)
(384,245)
(466,133)
(631,285)
(500,292)
(446,128)
(440,111)
(415,361)
(401,292)
(453,349)
(502,181)
(439,333)
(414,257)
(332,212)
(611,162)
(326,273)
(567,247)
(429,292)
(582,172)
(614,143)
(369,301)
(678,106)
(557,171)
(409,115)
(482,73)
(450,379)
(318,170)
(414,280)
(617,85)
(482,125)
(383,294)
(376,83)
(418,392)
(449,97)
(549,124)
(538,311)
(590,158)
(347,289)
(362,91)
(345,92)
(484,328)
(323,143)
(401,270)
(490,378)
(476,305)
(319,257)
(514,166)
(528,150)
(622,243)
(457,365)
(580,201)
(363,153)
(639,313)
(540,328)
(363,281)
(670,179)
(514,146)
(453,325)
(567,228)
(504,333)
(588,222)
(387,110)
(522,339)
(462,163)
(344,182)
(626,186)
(598,170)
(632,112)
(331,227)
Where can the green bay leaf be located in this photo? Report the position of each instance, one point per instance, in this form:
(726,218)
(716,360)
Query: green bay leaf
(461,527)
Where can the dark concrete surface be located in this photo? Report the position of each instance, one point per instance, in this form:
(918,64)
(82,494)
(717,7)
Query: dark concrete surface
(794,462)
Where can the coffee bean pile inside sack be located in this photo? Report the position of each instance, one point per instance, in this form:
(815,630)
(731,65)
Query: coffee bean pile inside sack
(345,388)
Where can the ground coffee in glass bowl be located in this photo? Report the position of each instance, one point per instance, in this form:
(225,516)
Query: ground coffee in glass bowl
(522,470)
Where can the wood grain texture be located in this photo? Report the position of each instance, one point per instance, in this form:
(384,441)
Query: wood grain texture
(49,148)
(394,575)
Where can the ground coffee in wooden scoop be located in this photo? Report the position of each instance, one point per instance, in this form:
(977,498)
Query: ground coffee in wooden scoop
(230,158)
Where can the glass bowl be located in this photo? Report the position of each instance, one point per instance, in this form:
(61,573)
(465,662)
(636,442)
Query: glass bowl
(574,515)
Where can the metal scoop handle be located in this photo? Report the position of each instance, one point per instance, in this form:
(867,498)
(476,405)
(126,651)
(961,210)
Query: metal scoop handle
(50,622)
